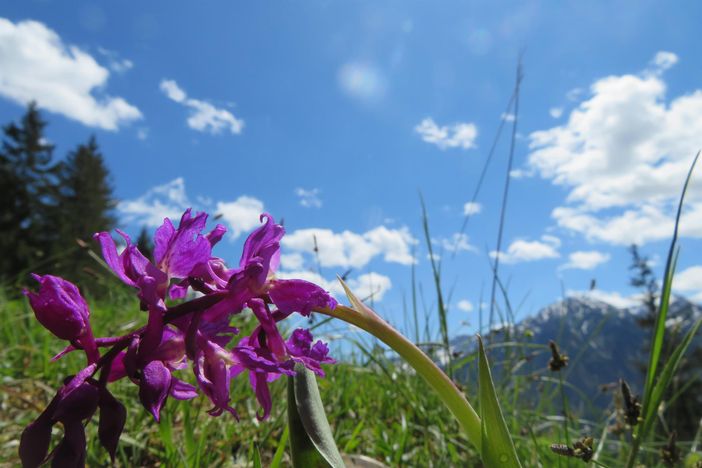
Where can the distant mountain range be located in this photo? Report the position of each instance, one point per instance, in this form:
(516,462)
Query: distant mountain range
(604,343)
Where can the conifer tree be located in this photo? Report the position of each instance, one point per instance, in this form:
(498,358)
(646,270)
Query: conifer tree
(84,205)
(26,177)
(145,244)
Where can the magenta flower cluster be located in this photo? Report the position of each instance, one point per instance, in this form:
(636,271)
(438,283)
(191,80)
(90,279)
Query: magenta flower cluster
(194,333)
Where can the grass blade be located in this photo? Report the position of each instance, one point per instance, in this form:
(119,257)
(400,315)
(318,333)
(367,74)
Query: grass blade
(659,327)
(497,446)
(666,376)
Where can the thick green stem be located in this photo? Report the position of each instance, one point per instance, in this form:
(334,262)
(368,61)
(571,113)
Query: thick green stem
(452,397)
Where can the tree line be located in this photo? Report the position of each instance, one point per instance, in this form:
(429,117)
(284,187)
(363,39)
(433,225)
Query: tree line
(50,208)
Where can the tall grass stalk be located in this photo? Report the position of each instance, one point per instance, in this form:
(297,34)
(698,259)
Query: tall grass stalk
(440,304)
(505,194)
(649,405)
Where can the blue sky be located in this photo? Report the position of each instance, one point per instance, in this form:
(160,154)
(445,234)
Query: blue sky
(334,116)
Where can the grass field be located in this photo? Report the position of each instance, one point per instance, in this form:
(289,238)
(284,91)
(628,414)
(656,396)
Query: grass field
(376,407)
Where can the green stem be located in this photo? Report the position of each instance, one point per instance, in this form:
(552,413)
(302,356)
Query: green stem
(452,397)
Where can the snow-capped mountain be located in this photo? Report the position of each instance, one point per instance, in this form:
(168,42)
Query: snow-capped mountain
(604,343)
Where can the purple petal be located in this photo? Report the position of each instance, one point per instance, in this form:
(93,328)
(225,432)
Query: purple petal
(117,369)
(34,443)
(113,260)
(71,451)
(59,307)
(162,239)
(263,246)
(181,390)
(212,373)
(273,339)
(301,296)
(154,387)
(113,415)
(216,234)
(78,405)
(172,346)
(259,384)
(300,342)
(181,250)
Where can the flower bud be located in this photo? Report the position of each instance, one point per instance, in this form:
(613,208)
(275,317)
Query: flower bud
(59,307)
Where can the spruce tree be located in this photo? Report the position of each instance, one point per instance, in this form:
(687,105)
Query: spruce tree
(26,184)
(84,205)
(145,244)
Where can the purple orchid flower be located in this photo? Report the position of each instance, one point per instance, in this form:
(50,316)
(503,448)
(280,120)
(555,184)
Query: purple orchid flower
(61,309)
(196,332)
(71,408)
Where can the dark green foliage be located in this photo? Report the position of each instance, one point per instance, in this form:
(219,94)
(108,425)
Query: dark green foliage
(49,210)
(26,177)
(83,206)
(644,279)
(145,244)
(685,393)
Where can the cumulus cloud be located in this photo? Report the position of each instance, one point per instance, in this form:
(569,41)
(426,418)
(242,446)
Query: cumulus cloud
(241,215)
(368,286)
(472,208)
(662,61)
(458,135)
(352,250)
(623,155)
(292,261)
(36,65)
(608,297)
(689,281)
(170,200)
(363,81)
(465,305)
(555,112)
(163,201)
(309,198)
(528,251)
(458,242)
(585,260)
(116,63)
(203,117)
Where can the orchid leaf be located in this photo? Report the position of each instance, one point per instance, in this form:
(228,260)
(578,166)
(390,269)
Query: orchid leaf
(496,441)
(311,440)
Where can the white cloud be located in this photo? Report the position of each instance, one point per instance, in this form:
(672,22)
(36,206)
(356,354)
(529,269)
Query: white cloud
(508,117)
(241,215)
(309,198)
(555,112)
(662,61)
(115,62)
(528,251)
(465,305)
(370,286)
(609,297)
(143,133)
(623,154)
(366,286)
(689,281)
(163,201)
(292,261)
(458,135)
(574,94)
(170,200)
(458,242)
(349,249)
(472,208)
(585,260)
(36,65)
(204,117)
(363,81)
